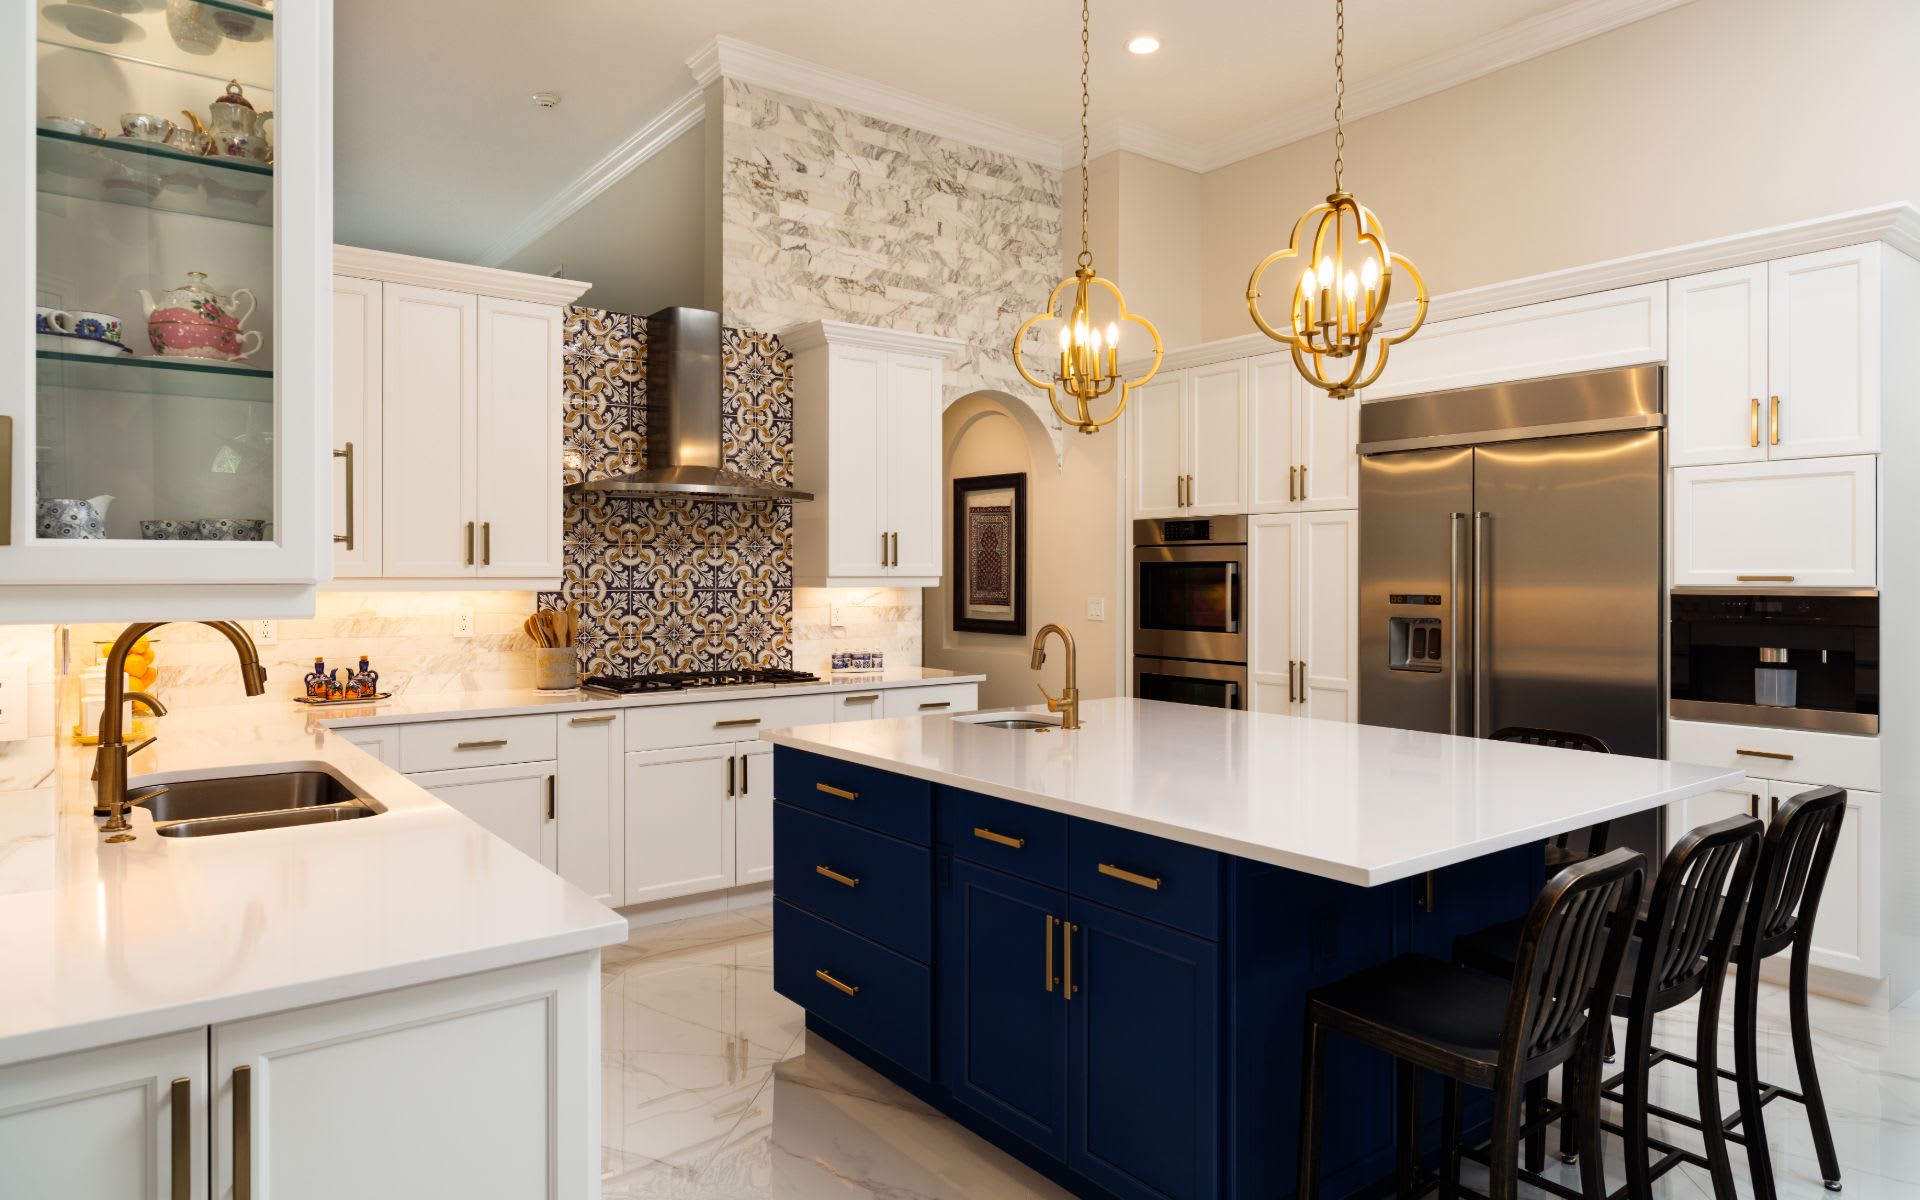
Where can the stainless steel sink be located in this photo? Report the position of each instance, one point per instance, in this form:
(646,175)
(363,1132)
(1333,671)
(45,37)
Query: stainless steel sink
(1010,718)
(1016,723)
(202,807)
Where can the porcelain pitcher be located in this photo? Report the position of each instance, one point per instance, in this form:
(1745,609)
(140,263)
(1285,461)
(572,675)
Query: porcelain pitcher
(74,520)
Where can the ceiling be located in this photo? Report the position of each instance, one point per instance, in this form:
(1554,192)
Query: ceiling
(439,147)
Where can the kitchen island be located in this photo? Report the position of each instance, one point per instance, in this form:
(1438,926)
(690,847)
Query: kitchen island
(1093,947)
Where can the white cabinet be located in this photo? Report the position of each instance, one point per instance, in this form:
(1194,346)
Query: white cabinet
(357,440)
(753,815)
(590,805)
(857,706)
(1188,432)
(515,803)
(1777,360)
(1303,643)
(1846,931)
(481,1086)
(867,406)
(931,701)
(1708,807)
(680,821)
(516,464)
(124,1120)
(1806,523)
(1302,441)
(381,741)
(428,368)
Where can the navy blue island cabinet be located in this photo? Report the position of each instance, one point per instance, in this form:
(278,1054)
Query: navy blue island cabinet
(1122,1012)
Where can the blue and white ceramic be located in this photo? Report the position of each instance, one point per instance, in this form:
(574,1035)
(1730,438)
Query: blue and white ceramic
(74,520)
(97,326)
(170,531)
(52,320)
(232,529)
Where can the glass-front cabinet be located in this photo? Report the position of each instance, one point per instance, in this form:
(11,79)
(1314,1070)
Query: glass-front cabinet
(168,416)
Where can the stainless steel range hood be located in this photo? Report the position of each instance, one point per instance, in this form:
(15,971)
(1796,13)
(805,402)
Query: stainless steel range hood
(683,419)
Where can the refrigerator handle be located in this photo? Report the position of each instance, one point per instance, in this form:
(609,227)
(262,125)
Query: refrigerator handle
(1480,523)
(1456,524)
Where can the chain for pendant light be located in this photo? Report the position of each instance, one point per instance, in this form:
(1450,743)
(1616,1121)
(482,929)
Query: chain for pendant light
(1339,89)
(1086,139)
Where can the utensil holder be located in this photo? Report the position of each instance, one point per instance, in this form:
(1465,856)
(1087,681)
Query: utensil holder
(556,669)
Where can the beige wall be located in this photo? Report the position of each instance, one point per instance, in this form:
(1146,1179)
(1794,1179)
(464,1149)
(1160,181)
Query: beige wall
(1713,118)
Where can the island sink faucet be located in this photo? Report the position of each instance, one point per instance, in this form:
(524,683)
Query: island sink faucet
(110,761)
(1067,703)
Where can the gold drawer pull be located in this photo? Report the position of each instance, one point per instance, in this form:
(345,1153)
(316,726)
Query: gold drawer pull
(601,719)
(1776,755)
(836,876)
(180,1105)
(931,705)
(830,981)
(988,835)
(871,698)
(1150,882)
(243,1133)
(737,723)
(484,744)
(1764,578)
(830,790)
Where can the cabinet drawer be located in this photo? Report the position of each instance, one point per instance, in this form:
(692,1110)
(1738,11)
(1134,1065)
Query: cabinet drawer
(875,885)
(1808,523)
(877,997)
(1841,759)
(858,795)
(981,828)
(930,701)
(482,742)
(864,705)
(1164,881)
(667,726)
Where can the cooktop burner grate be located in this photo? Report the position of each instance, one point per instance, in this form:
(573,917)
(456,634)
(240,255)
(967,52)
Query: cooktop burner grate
(681,681)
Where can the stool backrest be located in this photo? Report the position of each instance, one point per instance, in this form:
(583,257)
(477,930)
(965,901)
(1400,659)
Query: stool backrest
(1690,924)
(1571,948)
(1793,871)
(1560,738)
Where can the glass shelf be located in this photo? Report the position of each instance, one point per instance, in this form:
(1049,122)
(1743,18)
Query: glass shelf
(239,6)
(155,177)
(154,376)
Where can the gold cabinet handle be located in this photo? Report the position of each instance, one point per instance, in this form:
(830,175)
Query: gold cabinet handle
(830,981)
(243,1133)
(883,547)
(1303,481)
(1773,422)
(598,719)
(830,790)
(346,538)
(1425,900)
(837,877)
(745,787)
(1775,755)
(1764,578)
(1301,667)
(469,543)
(6,481)
(1048,977)
(736,723)
(180,1102)
(483,744)
(896,548)
(988,835)
(486,543)
(1066,952)
(1150,882)
(1290,696)
(553,800)
(1293,475)
(1189,491)
(870,698)
(932,705)
(730,790)
(1753,425)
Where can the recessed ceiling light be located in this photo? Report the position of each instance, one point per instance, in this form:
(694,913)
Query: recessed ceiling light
(1146,43)
(546,99)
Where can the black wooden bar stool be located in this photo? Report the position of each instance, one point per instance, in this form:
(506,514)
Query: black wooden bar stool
(1568,848)
(1478,1030)
(1779,914)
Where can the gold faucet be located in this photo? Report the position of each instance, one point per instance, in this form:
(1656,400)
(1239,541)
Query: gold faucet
(1067,703)
(110,761)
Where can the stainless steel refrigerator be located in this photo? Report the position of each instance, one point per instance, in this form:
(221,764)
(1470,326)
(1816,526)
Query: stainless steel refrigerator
(1512,562)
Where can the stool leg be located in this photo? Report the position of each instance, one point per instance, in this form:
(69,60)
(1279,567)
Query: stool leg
(1569,1132)
(1706,1078)
(1593,1162)
(1450,1143)
(1311,1072)
(1633,1117)
(1803,1064)
(1746,1068)
(1536,1093)
(1503,1150)
(1406,1141)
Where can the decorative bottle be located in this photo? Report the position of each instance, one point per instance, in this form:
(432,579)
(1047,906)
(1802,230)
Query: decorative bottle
(317,681)
(366,681)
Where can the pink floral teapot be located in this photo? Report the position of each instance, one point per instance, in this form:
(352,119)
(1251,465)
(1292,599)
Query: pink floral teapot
(194,321)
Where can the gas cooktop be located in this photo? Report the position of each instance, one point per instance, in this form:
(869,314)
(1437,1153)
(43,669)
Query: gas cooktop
(682,681)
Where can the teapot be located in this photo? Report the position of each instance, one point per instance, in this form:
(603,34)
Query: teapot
(74,520)
(194,321)
(237,131)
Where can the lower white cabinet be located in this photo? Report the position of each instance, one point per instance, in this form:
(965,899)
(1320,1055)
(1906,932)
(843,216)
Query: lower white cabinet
(1303,644)
(515,803)
(590,810)
(930,701)
(857,706)
(126,1120)
(753,815)
(1794,523)
(680,821)
(381,741)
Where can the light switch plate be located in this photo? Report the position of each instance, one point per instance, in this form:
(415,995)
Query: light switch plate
(1096,608)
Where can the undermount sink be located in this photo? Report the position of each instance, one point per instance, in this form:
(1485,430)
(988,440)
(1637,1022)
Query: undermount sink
(1010,718)
(236,804)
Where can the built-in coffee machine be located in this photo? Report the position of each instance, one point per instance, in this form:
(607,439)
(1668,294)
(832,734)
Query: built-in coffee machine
(1806,659)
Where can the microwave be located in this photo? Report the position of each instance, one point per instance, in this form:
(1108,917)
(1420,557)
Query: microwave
(1802,659)
(1190,588)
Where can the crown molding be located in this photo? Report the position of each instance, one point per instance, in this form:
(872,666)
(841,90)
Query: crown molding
(1137,137)
(814,334)
(761,67)
(682,115)
(355,262)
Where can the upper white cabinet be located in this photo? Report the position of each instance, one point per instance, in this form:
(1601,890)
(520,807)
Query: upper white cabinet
(1156,434)
(1801,524)
(163,433)
(866,443)
(454,411)
(1303,641)
(1302,441)
(1777,360)
(1188,432)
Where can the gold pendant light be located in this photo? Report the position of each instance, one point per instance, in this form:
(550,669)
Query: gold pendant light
(1083,376)
(1333,324)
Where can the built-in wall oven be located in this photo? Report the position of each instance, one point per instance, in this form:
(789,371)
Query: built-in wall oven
(1190,610)
(1802,659)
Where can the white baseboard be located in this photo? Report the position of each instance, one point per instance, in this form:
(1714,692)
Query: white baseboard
(753,895)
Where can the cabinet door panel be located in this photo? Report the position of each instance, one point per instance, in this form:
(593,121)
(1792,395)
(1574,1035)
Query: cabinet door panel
(1846,930)
(589,805)
(517,467)
(856,462)
(1717,367)
(1329,609)
(1143,1057)
(1793,524)
(913,465)
(680,822)
(753,814)
(1329,464)
(1003,1017)
(1273,434)
(1686,815)
(513,803)
(356,421)
(1158,455)
(1273,562)
(1217,438)
(428,405)
(1824,352)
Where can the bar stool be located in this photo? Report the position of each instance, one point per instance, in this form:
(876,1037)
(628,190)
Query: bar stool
(1475,1029)
(1562,851)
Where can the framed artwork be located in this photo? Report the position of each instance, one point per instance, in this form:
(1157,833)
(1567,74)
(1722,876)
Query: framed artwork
(990,554)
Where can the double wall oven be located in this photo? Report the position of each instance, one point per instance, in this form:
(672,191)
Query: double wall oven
(1190,610)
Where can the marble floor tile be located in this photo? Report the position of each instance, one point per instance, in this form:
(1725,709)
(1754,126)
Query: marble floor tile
(712,1091)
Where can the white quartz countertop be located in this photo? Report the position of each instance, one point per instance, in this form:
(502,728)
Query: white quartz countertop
(1356,803)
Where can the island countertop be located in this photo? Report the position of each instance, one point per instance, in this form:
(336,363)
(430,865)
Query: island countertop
(1356,803)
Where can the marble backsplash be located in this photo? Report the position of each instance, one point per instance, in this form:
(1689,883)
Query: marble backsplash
(829,619)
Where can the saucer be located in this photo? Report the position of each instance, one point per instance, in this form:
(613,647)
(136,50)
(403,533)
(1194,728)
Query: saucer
(66,343)
(93,24)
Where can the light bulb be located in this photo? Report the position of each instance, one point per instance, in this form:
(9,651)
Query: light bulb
(1306,281)
(1080,333)
(1369,274)
(1066,338)
(1352,285)
(1113,333)
(1326,271)
(1096,341)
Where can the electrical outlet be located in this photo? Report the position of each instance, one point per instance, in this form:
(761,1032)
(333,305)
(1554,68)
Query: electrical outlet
(1096,608)
(463,623)
(265,633)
